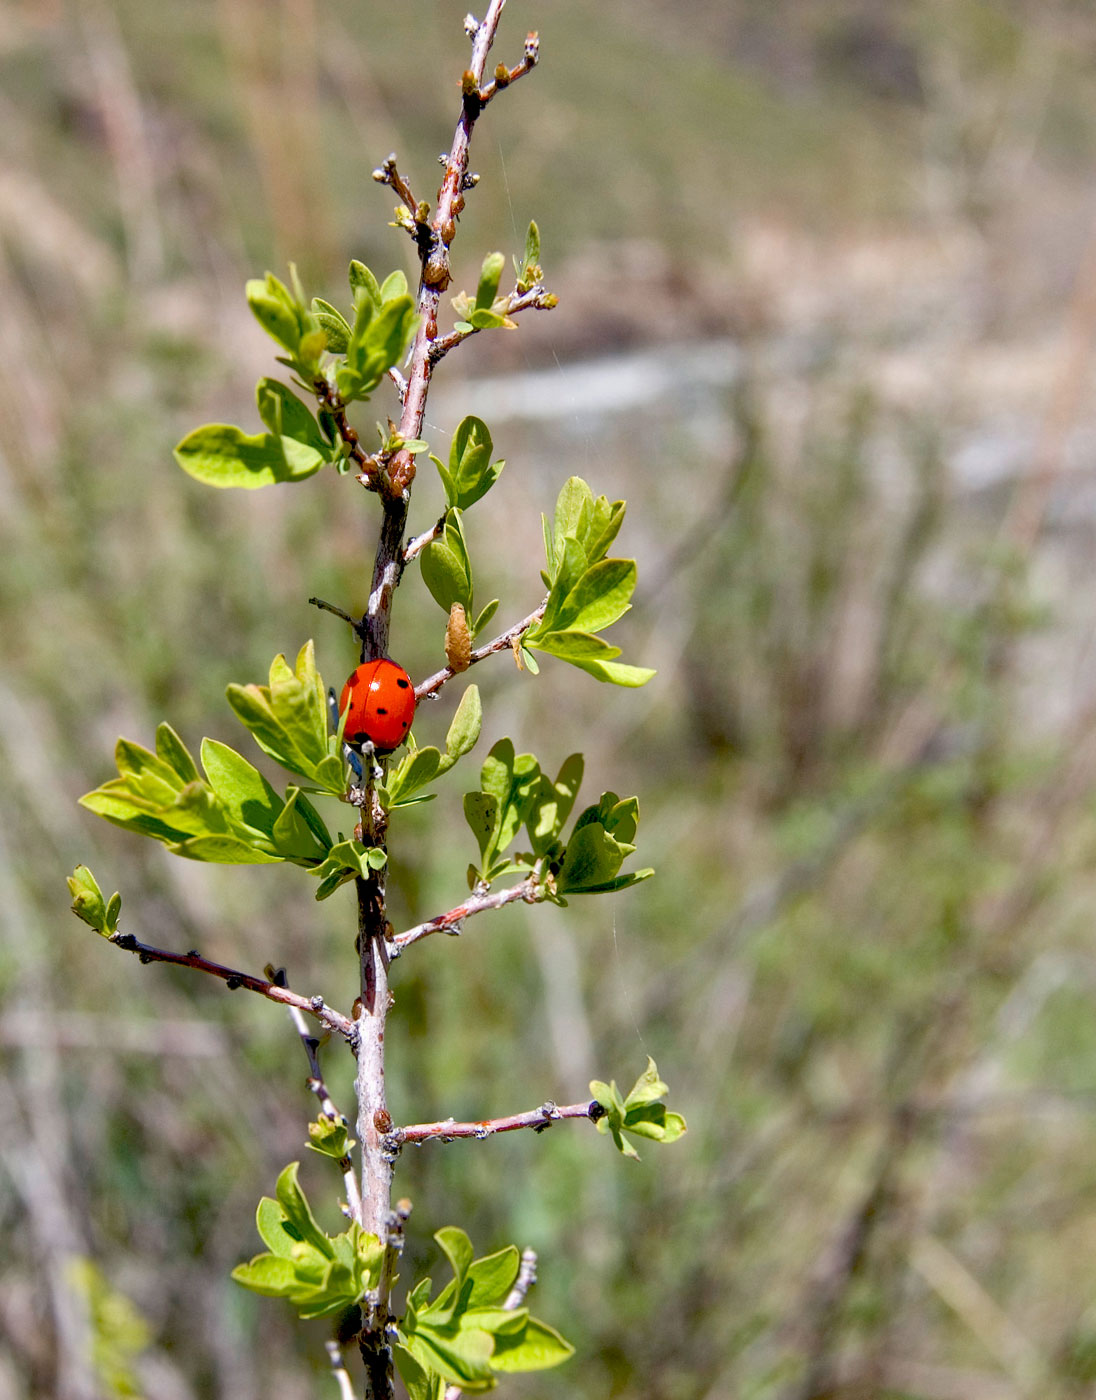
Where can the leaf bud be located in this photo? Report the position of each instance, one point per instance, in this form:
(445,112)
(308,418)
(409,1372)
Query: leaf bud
(502,75)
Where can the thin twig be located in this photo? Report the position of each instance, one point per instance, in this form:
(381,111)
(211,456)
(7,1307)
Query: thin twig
(419,543)
(331,608)
(329,398)
(527,1276)
(450,922)
(434,683)
(339,1371)
(232,978)
(537,1118)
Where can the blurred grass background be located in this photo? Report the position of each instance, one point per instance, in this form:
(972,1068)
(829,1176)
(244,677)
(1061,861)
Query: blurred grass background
(828,294)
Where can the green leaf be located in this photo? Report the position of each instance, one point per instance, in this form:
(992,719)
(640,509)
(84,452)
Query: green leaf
(647,1089)
(640,1114)
(573,506)
(485,616)
(362,280)
(537,1348)
(512,779)
(298,1212)
(484,320)
(394,287)
(268,1275)
(286,416)
(221,455)
(592,857)
(553,803)
(457,1248)
(481,813)
(490,275)
(414,771)
(600,597)
(334,323)
(471,474)
(492,1277)
(88,903)
(241,788)
(223,850)
(171,749)
(293,835)
(446,569)
(276,310)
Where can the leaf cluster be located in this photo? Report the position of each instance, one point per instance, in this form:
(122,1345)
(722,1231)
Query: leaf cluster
(319,1274)
(233,816)
(642,1113)
(329,355)
(587,591)
(466,1336)
(514,793)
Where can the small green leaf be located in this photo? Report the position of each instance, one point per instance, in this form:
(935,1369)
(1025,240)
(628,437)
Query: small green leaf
(171,749)
(471,473)
(481,814)
(490,274)
(446,569)
(647,1089)
(362,280)
(465,728)
(485,616)
(292,1200)
(275,310)
(223,850)
(334,323)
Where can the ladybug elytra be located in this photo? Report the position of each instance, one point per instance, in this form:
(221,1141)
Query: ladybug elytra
(381,701)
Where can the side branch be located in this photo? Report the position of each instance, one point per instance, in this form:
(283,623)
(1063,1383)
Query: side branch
(318,1086)
(537,1118)
(434,683)
(451,921)
(311,1006)
(537,298)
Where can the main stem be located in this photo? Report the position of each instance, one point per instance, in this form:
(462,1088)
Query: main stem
(374,1121)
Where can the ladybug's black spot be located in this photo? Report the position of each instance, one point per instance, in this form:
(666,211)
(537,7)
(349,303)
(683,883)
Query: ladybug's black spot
(405,724)
(402,684)
(381,710)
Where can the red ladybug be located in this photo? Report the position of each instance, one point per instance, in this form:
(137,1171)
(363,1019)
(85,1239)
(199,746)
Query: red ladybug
(382,705)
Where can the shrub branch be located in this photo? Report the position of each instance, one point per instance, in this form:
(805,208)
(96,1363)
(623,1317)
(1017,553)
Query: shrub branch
(232,978)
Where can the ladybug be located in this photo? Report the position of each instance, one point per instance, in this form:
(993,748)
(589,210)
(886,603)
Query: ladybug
(381,701)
